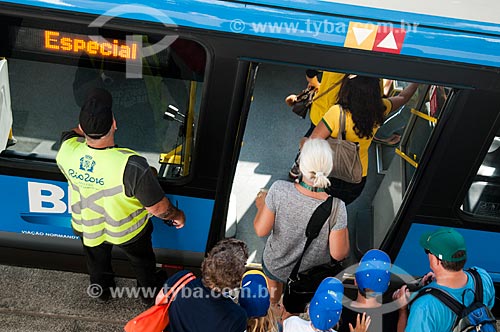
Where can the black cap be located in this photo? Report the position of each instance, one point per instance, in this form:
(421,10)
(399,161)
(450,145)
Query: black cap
(96,117)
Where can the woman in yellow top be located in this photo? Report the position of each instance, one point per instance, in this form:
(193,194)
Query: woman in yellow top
(365,110)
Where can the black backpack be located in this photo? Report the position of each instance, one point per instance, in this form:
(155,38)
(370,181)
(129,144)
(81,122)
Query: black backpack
(475,317)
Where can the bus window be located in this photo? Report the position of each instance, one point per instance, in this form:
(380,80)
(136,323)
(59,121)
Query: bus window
(155,98)
(483,197)
(420,127)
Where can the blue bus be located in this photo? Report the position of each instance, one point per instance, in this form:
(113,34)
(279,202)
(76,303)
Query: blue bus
(182,75)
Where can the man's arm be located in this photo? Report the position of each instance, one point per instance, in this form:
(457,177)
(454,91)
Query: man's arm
(166,211)
(140,182)
(75,132)
(404,96)
(263,222)
(401,296)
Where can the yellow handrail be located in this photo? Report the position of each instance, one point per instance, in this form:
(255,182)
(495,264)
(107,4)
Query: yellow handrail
(189,128)
(174,155)
(424,116)
(407,158)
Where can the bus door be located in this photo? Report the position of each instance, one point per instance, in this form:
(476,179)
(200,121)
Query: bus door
(270,142)
(239,119)
(5,107)
(424,109)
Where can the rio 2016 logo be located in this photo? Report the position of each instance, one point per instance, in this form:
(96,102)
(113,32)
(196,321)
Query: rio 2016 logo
(87,163)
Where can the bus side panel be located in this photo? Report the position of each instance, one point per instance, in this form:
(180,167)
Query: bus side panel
(40,208)
(482,249)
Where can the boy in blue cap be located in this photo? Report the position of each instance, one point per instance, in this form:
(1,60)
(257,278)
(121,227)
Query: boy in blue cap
(254,298)
(324,310)
(372,277)
(445,248)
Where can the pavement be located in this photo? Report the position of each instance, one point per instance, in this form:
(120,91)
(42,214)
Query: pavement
(35,300)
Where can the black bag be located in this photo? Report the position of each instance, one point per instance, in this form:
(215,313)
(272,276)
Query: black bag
(304,101)
(346,161)
(475,317)
(301,286)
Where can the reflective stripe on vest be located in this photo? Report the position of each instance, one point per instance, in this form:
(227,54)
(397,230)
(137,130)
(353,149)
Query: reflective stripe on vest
(101,211)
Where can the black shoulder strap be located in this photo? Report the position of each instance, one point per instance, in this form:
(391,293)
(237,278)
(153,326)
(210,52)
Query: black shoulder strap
(318,218)
(442,296)
(330,88)
(450,301)
(314,226)
(478,285)
(341,134)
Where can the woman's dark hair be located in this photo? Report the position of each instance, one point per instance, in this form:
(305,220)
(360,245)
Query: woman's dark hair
(361,96)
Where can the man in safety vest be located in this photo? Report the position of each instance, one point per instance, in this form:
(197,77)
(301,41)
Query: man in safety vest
(113,195)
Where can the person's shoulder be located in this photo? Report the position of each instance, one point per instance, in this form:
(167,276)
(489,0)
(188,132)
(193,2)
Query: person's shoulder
(138,160)
(340,203)
(176,277)
(296,323)
(485,276)
(482,272)
(281,185)
(333,113)
(66,135)
(333,76)
(240,312)
(425,300)
(239,319)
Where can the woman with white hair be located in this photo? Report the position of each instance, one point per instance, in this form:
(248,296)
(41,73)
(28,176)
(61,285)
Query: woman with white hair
(284,212)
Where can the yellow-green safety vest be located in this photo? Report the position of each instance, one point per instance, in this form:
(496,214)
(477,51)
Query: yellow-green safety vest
(100,210)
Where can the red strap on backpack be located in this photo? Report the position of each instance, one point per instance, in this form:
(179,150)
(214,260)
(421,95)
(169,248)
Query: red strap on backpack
(155,319)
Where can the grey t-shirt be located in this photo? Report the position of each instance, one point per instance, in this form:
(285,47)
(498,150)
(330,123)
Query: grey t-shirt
(285,244)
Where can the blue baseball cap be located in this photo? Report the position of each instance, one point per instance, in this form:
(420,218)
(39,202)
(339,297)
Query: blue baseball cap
(326,305)
(254,294)
(373,272)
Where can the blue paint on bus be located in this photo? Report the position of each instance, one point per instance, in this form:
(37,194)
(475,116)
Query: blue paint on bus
(481,250)
(40,208)
(427,39)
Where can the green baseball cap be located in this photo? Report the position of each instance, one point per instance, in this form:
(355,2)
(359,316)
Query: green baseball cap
(444,243)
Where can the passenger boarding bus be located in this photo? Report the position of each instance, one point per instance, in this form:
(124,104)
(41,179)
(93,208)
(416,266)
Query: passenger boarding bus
(183,75)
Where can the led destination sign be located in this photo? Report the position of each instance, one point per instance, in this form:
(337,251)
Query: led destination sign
(71,44)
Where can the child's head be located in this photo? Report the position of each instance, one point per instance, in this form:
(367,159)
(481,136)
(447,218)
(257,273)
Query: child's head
(254,298)
(373,273)
(326,305)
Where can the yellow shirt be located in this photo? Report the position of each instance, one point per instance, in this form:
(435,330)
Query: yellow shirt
(331,120)
(320,106)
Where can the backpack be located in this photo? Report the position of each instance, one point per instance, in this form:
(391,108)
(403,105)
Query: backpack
(155,319)
(475,317)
